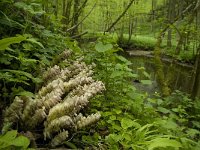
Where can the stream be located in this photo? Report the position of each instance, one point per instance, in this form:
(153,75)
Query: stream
(181,77)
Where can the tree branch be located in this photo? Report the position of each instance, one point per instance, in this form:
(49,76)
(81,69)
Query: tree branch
(117,20)
(79,35)
(75,26)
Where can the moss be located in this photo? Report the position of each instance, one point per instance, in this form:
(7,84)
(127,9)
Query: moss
(159,69)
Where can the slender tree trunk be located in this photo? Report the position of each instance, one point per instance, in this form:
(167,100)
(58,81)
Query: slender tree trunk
(76,14)
(80,22)
(153,5)
(130,28)
(171,16)
(196,82)
(169,35)
(45,8)
(118,19)
(75,17)
(157,52)
(56,8)
(67,6)
(180,43)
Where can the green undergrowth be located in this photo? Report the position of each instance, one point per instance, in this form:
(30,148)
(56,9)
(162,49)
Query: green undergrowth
(27,45)
(184,56)
(137,42)
(131,119)
(147,43)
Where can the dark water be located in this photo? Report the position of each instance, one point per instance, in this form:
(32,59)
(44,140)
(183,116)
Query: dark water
(181,77)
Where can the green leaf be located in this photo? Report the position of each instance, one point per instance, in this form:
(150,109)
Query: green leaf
(117,111)
(116,127)
(113,118)
(6,21)
(6,139)
(107,113)
(114,137)
(121,58)
(127,136)
(70,145)
(127,123)
(170,124)
(135,75)
(146,74)
(11,139)
(163,110)
(27,46)
(163,142)
(146,82)
(100,47)
(25,93)
(23,73)
(37,80)
(4,43)
(21,141)
(34,41)
(10,135)
(116,74)
(192,132)
(31,8)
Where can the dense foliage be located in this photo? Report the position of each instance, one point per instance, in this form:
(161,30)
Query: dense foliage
(34,33)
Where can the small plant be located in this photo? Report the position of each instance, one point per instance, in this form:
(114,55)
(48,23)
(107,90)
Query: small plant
(11,140)
(56,107)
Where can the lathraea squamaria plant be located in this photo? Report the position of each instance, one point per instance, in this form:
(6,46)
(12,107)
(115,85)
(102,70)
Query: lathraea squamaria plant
(56,106)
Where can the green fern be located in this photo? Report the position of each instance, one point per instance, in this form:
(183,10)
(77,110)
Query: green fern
(6,42)
(22,76)
(163,142)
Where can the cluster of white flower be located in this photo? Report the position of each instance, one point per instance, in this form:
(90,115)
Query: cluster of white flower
(12,114)
(72,70)
(65,54)
(14,108)
(56,105)
(86,121)
(64,122)
(58,139)
(51,73)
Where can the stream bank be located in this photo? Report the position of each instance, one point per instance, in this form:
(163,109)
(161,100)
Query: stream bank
(182,73)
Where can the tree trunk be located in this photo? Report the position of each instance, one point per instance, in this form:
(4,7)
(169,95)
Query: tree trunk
(153,5)
(118,19)
(67,11)
(157,52)
(56,8)
(180,43)
(130,28)
(76,14)
(196,83)
(171,16)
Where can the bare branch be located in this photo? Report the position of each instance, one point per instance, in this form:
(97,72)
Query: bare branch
(75,26)
(118,19)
